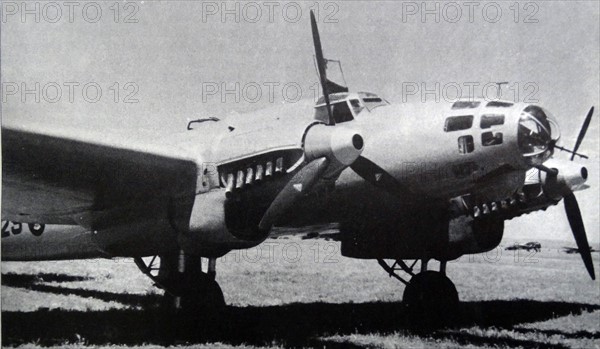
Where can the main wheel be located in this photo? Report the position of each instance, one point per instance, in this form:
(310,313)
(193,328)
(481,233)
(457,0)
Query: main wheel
(431,300)
(202,294)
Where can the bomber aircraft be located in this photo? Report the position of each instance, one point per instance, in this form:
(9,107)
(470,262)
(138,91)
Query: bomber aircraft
(573,250)
(223,183)
(533,245)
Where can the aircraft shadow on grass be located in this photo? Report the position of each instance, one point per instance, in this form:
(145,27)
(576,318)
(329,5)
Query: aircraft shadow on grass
(297,325)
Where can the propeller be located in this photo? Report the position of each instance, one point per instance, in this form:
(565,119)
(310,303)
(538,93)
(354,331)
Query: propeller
(573,211)
(378,177)
(327,150)
(558,184)
(364,167)
(578,229)
(300,183)
(321,65)
(584,128)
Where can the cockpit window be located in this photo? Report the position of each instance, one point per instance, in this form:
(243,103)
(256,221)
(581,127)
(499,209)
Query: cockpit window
(372,102)
(456,123)
(346,106)
(465,104)
(341,112)
(334,97)
(356,106)
(489,120)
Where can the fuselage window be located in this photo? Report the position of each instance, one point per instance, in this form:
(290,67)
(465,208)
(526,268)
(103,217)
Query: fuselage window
(491,138)
(465,144)
(499,104)
(456,123)
(489,120)
(465,104)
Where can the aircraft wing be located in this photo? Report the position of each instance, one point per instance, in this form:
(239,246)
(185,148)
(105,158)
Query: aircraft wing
(61,176)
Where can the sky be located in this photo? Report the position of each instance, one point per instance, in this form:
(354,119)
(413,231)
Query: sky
(159,64)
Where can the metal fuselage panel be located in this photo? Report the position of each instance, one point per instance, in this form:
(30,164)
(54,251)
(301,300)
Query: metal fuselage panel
(412,145)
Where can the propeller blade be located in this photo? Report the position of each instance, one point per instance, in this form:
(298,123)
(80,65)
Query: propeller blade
(301,183)
(326,148)
(321,65)
(584,128)
(578,229)
(377,176)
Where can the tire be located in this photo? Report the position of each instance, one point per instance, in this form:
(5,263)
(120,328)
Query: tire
(431,301)
(193,310)
(202,295)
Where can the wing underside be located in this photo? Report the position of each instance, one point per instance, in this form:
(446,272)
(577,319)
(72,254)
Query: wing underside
(58,179)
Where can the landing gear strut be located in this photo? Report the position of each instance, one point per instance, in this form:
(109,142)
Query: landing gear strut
(430,297)
(187,288)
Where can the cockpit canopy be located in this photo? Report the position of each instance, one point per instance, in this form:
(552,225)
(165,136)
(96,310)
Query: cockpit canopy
(346,106)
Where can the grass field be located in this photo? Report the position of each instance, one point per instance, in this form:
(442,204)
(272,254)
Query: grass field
(302,293)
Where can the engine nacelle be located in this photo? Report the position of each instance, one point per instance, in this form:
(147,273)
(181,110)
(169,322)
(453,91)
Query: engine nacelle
(430,234)
(340,144)
(468,235)
(218,223)
(571,177)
